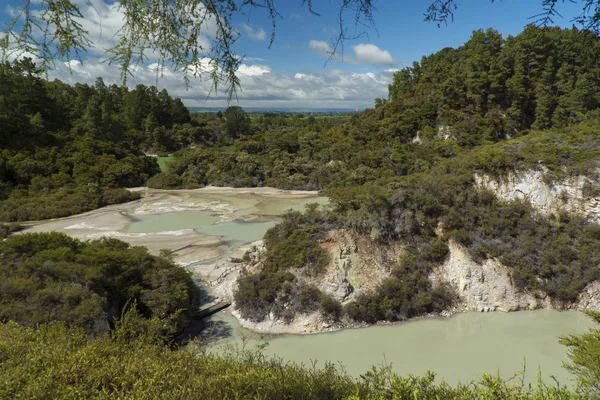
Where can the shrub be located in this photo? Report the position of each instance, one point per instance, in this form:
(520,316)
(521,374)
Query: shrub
(331,309)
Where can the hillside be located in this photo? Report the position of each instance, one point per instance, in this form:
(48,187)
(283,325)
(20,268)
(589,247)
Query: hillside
(409,173)
(473,186)
(69,149)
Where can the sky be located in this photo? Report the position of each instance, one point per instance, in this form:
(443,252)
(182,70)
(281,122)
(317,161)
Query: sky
(295,71)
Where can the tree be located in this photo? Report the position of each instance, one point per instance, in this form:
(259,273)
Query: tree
(584,355)
(173,30)
(237,122)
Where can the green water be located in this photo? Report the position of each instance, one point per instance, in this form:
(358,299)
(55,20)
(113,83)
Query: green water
(172,221)
(460,348)
(201,221)
(237,230)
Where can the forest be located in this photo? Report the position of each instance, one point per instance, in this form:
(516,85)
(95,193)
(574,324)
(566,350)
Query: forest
(92,318)
(51,277)
(491,106)
(69,149)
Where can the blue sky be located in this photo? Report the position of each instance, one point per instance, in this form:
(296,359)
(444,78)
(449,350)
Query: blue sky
(294,72)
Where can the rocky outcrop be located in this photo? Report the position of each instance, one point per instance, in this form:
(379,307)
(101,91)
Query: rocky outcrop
(488,287)
(483,287)
(571,194)
(589,299)
(357,264)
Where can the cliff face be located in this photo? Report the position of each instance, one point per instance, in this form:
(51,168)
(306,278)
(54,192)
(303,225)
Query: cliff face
(357,264)
(572,195)
(483,287)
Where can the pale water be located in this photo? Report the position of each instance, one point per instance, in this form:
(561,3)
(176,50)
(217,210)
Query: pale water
(169,222)
(459,348)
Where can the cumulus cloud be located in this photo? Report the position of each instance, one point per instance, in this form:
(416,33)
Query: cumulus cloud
(362,54)
(320,48)
(256,34)
(260,86)
(253,70)
(102,21)
(372,55)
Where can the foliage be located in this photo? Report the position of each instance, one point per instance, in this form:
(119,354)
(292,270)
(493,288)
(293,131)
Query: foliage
(52,277)
(584,355)
(7,229)
(457,113)
(291,245)
(58,362)
(69,149)
(490,90)
(331,309)
(237,123)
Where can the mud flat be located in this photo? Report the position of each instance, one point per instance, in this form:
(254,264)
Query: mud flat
(203,228)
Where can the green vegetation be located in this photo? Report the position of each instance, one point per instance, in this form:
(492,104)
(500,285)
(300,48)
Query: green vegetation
(7,229)
(162,162)
(68,149)
(402,172)
(62,363)
(51,277)
(584,356)
(486,91)
(493,106)
(292,244)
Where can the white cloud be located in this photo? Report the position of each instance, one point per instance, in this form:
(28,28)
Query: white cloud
(253,70)
(320,48)
(256,34)
(372,55)
(363,54)
(102,21)
(261,87)
(12,12)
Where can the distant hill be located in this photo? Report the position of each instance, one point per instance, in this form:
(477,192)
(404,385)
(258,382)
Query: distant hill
(259,110)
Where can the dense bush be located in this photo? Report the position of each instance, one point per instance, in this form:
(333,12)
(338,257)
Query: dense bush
(52,277)
(558,255)
(165,180)
(330,308)
(7,229)
(291,245)
(68,149)
(62,363)
(25,205)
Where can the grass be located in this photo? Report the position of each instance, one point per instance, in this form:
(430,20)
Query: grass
(162,162)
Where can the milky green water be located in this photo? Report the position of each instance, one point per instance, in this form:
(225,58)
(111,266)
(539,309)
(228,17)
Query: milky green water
(460,348)
(172,221)
(234,233)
